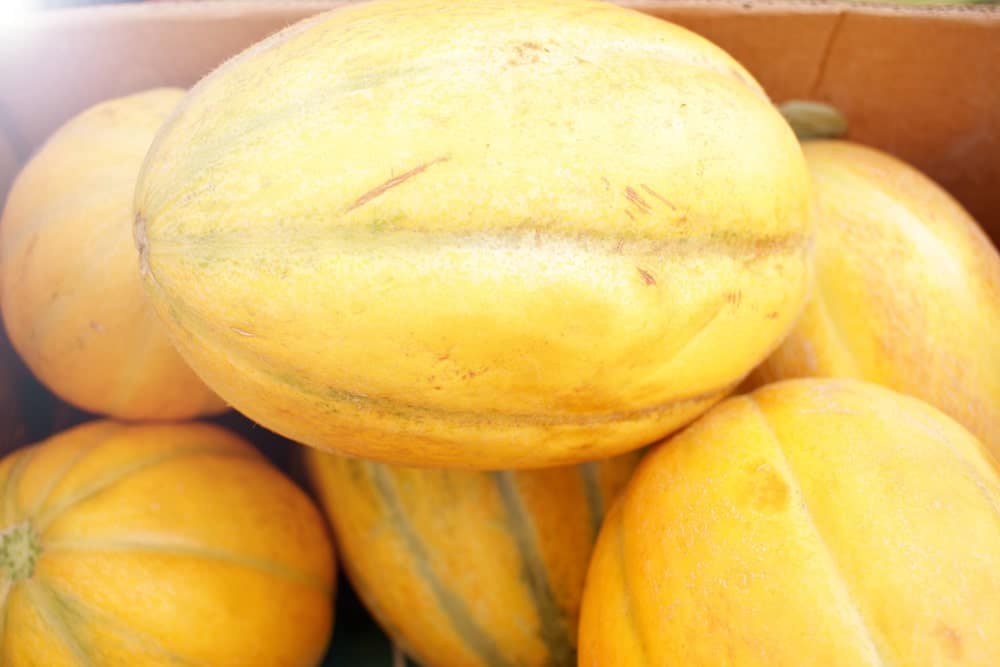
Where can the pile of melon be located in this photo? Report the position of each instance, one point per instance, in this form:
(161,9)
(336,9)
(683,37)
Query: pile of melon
(535,319)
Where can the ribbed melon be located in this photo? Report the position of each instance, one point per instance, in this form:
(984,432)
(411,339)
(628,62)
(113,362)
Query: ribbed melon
(907,290)
(490,234)
(467,568)
(813,522)
(73,303)
(158,545)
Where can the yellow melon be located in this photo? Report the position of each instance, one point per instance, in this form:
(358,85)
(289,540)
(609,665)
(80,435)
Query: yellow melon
(158,545)
(907,290)
(468,568)
(73,302)
(813,522)
(491,234)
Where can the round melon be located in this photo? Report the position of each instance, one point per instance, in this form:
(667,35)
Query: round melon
(73,301)
(493,234)
(158,545)
(813,522)
(469,568)
(907,290)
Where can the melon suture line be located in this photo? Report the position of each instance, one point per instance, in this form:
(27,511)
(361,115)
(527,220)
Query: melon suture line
(553,627)
(114,476)
(180,546)
(874,642)
(383,405)
(459,615)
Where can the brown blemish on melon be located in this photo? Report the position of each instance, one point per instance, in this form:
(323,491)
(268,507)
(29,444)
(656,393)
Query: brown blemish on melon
(656,194)
(767,490)
(951,640)
(394,182)
(646,276)
(31,246)
(141,243)
(526,53)
(634,197)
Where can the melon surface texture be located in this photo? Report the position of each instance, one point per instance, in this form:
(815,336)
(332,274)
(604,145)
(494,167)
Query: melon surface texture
(470,568)
(812,522)
(907,290)
(480,234)
(158,545)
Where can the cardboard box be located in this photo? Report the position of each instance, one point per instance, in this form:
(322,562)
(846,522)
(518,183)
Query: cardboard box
(921,83)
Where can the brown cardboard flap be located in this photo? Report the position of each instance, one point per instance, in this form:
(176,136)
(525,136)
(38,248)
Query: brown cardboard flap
(923,84)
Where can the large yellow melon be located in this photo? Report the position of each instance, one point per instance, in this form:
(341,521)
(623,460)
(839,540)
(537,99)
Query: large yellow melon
(73,302)
(158,545)
(467,568)
(907,290)
(813,522)
(486,234)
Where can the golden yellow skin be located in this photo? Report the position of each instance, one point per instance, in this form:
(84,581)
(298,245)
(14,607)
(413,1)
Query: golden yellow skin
(73,303)
(492,234)
(466,568)
(813,522)
(907,290)
(160,545)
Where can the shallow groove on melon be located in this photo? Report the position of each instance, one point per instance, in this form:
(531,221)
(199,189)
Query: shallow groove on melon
(971,472)
(249,363)
(156,544)
(6,586)
(107,622)
(590,474)
(627,587)
(381,236)
(553,630)
(874,641)
(472,635)
(48,610)
(10,512)
(103,434)
(116,475)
